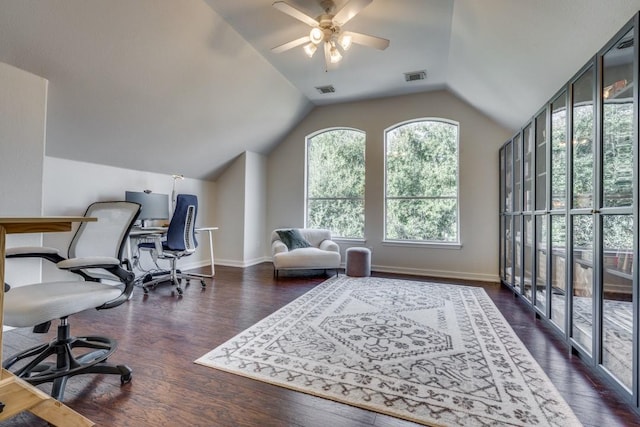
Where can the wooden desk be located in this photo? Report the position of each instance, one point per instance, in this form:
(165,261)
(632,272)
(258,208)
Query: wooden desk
(15,394)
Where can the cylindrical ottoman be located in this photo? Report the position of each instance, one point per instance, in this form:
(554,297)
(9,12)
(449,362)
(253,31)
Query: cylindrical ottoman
(358,263)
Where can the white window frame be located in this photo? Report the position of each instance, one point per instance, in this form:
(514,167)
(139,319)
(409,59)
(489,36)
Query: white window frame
(306,180)
(432,243)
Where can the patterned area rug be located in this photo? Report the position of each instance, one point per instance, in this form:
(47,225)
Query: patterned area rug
(436,354)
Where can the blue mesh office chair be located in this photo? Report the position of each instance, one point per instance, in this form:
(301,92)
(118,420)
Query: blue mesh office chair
(180,241)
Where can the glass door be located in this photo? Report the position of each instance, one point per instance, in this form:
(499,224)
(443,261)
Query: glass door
(527,208)
(507,217)
(558,218)
(582,209)
(541,217)
(517,209)
(502,213)
(618,226)
(527,238)
(528,150)
(508,249)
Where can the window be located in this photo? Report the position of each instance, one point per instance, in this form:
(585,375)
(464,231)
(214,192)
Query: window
(335,182)
(421,179)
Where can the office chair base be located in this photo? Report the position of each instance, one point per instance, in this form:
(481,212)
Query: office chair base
(152,284)
(149,282)
(63,358)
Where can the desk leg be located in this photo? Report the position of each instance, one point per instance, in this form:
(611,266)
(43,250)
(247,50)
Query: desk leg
(213,269)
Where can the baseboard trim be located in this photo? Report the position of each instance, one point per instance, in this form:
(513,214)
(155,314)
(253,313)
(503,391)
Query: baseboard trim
(480,277)
(192,265)
(445,274)
(242,264)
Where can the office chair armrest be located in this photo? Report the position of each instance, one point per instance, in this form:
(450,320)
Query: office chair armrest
(88,262)
(50,254)
(127,278)
(112,265)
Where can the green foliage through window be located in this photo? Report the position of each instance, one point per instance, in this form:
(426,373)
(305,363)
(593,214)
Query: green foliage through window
(422,182)
(335,182)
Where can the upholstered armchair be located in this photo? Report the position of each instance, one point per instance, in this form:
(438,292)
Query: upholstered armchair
(304,249)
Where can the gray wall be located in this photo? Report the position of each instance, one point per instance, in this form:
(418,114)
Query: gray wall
(149,85)
(255,214)
(241,212)
(23,106)
(229,213)
(70,186)
(480,139)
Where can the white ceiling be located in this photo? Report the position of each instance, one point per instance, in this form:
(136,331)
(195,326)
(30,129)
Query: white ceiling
(185,86)
(505,57)
(419,31)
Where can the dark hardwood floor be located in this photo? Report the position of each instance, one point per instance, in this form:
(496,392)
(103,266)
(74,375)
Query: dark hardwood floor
(160,336)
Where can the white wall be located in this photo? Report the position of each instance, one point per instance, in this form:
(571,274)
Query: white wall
(154,85)
(70,186)
(255,213)
(229,211)
(241,211)
(480,139)
(23,106)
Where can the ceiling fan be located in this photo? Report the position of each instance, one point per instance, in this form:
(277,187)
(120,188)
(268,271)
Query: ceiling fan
(327,29)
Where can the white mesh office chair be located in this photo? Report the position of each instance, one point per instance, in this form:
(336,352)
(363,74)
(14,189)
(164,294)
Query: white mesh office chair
(95,254)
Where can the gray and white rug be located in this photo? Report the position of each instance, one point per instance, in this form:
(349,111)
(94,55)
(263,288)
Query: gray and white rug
(436,354)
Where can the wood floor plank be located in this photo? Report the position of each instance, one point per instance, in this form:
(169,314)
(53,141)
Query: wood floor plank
(160,336)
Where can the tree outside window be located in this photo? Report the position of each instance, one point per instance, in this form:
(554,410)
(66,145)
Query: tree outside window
(421,167)
(335,182)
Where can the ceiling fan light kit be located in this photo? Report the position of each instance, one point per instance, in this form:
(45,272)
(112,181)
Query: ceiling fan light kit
(345,41)
(334,54)
(310,49)
(316,35)
(327,29)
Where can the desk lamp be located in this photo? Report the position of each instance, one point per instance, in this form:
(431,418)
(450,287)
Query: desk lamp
(173,191)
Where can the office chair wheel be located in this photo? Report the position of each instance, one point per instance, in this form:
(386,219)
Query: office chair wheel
(125,379)
(179,290)
(202,283)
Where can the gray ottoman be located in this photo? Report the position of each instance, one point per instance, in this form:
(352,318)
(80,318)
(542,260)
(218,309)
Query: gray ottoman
(358,263)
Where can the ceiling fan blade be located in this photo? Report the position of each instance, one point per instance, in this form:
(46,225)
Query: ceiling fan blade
(367,40)
(295,13)
(291,44)
(349,10)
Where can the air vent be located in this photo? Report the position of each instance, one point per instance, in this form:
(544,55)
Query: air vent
(326,89)
(625,43)
(415,75)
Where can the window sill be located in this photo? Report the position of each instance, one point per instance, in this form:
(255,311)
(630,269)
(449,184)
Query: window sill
(434,245)
(347,240)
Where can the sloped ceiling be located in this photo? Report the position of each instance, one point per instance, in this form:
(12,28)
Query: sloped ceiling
(185,86)
(507,58)
(158,85)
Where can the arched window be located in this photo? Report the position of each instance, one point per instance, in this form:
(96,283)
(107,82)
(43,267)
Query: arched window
(335,182)
(421,182)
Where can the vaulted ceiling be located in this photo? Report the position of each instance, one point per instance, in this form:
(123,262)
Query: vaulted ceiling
(185,86)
